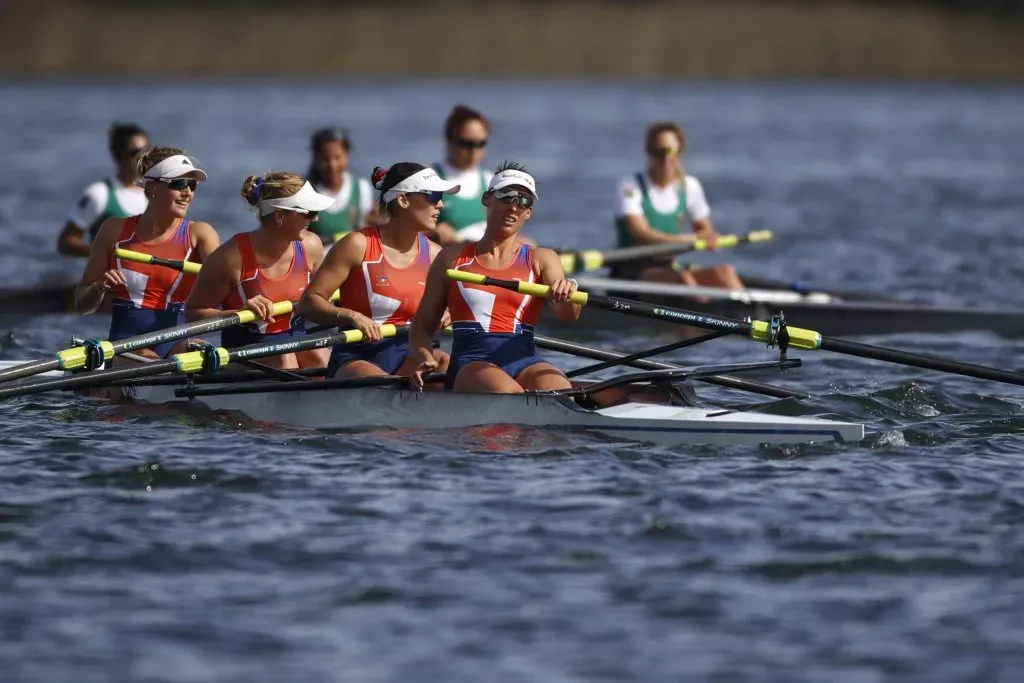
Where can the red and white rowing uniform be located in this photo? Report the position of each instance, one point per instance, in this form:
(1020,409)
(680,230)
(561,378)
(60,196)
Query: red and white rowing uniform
(386,293)
(153,296)
(254,282)
(493,325)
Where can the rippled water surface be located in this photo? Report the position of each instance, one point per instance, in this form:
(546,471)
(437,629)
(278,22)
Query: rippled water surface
(142,543)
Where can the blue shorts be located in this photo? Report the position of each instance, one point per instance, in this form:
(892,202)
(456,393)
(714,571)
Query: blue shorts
(127,320)
(244,335)
(387,354)
(513,353)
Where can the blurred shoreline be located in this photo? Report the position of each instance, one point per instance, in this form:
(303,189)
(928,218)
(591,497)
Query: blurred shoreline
(715,39)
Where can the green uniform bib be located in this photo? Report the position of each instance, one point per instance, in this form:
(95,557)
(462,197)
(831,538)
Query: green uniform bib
(460,212)
(334,223)
(113,209)
(669,223)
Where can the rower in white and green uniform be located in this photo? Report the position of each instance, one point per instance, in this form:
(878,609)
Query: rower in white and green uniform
(463,218)
(118,197)
(329,175)
(654,208)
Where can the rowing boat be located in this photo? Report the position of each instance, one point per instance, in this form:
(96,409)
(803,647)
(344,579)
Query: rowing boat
(634,408)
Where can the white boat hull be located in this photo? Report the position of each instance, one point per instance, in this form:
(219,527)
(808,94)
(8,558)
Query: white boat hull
(389,408)
(375,408)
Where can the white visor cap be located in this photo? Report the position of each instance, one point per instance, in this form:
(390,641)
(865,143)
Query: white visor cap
(174,167)
(510,177)
(426,180)
(306,199)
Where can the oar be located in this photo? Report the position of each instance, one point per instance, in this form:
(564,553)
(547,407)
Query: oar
(592,259)
(190,267)
(769,332)
(727,381)
(208,360)
(96,352)
(775,297)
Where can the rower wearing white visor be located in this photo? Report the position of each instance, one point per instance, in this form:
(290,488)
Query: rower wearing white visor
(381,271)
(148,297)
(493,348)
(273,263)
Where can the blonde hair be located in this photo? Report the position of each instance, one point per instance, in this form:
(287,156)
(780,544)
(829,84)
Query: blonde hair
(151,156)
(273,185)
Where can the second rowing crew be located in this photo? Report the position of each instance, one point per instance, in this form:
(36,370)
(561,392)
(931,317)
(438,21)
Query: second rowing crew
(387,274)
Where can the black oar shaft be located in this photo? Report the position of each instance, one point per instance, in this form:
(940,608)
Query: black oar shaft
(88,380)
(916,360)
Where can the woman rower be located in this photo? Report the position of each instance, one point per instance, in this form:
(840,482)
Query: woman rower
(273,263)
(654,207)
(329,175)
(466,132)
(148,297)
(117,197)
(381,271)
(493,349)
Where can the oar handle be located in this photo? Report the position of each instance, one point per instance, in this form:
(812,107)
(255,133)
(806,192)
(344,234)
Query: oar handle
(529,288)
(185,266)
(725,241)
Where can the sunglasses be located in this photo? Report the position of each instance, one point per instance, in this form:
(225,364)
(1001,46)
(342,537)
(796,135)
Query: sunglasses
(432,197)
(180,184)
(515,197)
(663,152)
(466,143)
(311,215)
(132,153)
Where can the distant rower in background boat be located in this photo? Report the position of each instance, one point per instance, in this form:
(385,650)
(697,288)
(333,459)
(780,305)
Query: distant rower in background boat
(655,206)
(329,175)
(273,263)
(466,133)
(148,297)
(493,349)
(381,271)
(117,197)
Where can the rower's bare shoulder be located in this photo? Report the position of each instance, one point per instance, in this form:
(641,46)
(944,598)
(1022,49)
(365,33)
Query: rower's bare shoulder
(313,246)
(204,229)
(109,231)
(448,254)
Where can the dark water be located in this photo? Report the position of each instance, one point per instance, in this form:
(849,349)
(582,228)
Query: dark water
(148,544)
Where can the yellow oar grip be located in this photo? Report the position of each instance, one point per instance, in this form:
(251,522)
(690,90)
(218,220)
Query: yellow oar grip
(726,241)
(73,359)
(529,288)
(139,257)
(584,260)
(798,337)
(280,308)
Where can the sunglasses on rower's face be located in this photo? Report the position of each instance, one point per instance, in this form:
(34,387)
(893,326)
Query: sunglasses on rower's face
(467,143)
(180,184)
(132,153)
(515,197)
(663,152)
(311,215)
(431,197)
